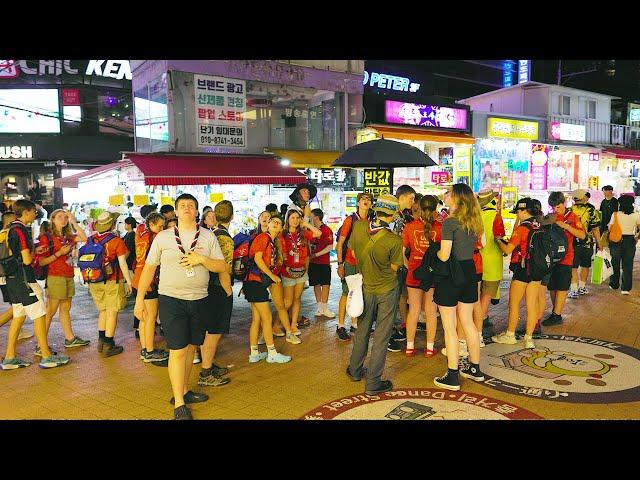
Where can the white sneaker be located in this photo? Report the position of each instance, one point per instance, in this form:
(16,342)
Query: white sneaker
(528,342)
(291,338)
(462,350)
(25,335)
(481,339)
(505,339)
(319,313)
(624,292)
(573,294)
(328,313)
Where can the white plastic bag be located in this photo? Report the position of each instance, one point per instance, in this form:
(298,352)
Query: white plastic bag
(607,269)
(355,301)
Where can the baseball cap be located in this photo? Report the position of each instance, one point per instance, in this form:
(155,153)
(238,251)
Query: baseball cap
(579,194)
(387,204)
(523,204)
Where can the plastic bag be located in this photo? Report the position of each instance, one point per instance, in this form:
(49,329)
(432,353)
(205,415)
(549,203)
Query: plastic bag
(602,267)
(355,301)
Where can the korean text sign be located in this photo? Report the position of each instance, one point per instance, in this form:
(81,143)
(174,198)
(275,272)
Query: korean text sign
(434,116)
(378,181)
(220,106)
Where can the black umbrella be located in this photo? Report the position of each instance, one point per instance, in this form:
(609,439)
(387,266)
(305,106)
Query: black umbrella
(383,153)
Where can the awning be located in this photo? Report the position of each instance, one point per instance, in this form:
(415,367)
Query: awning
(206,169)
(406,133)
(308,158)
(72,180)
(623,153)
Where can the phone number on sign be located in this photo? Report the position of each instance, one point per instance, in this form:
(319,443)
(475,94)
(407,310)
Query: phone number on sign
(214,140)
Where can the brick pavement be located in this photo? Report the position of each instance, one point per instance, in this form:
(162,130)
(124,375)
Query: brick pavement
(122,387)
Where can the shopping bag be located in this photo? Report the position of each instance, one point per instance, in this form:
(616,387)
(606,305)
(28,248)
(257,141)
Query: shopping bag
(355,301)
(602,267)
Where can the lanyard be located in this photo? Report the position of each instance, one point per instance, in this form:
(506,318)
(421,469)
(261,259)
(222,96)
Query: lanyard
(179,242)
(295,241)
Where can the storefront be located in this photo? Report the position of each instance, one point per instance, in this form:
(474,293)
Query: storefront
(620,168)
(59,117)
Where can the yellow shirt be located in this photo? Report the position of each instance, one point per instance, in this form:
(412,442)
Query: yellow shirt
(492,260)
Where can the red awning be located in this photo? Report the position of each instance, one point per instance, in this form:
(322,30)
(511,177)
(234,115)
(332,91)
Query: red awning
(624,153)
(72,180)
(184,169)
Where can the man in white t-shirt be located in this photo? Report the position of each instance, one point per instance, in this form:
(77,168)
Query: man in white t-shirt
(186,254)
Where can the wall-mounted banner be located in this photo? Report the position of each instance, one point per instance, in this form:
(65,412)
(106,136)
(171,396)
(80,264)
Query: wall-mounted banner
(433,116)
(567,131)
(507,128)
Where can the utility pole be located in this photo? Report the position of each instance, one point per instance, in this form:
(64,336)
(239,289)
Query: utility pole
(559,72)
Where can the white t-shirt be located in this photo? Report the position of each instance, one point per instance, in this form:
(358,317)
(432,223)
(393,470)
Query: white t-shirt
(628,223)
(174,281)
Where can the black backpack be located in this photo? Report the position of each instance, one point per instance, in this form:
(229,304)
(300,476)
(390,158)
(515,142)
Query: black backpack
(559,243)
(537,262)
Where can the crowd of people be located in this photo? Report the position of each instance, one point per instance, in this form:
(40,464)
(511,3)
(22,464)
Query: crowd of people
(416,254)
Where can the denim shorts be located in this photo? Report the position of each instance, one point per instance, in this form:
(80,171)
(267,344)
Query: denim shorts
(291,282)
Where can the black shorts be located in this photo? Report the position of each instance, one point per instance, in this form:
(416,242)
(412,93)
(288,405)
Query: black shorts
(219,311)
(520,273)
(560,278)
(319,274)
(5,294)
(254,292)
(448,295)
(183,321)
(582,256)
(152,295)
(545,280)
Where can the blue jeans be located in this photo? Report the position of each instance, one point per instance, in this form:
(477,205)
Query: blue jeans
(383,308)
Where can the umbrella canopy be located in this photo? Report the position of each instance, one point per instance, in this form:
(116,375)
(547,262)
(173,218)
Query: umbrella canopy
(383,153)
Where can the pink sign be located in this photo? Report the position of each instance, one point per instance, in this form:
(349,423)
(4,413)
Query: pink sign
(539,166)
(439,177)
(70,96)
(434,116)
(555,130)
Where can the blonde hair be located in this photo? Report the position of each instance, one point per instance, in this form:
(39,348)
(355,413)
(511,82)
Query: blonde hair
(66,232)
(428,206)
(467,209)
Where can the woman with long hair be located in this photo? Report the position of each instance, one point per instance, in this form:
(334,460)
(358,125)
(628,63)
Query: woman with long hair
(460,232)
(624,250)
(56,247)
(416,237)
(262,223)
(209,220)
(523,284)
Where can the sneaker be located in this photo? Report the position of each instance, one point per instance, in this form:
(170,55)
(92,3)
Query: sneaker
(76,342)
(394,346)
(54,361)
(448,380)
(528,342)
(196,357)
(278,358)
(353,329)
(428,353)
(279,334)
(182,413)
(463,352)
(192,397)
(25,335)
(473,373)
(624,292)
(100,345)
(383,386)
(553,319)
(573,294)
(261,340)
(154,355)
(399,335)
(328,313)
(583,291)
(356,378)
(13,363)
(422,327)
(297,333)
(38,352)
(481,340)
(212,380)
(342,334)
(537,332)
(291,338)
(111,350)
(613,288)
(257,357)
(504,338)
(219,371)
(319,313)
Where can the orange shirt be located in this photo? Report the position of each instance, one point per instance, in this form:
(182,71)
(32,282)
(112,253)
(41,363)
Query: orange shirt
(519,238)
(143,240)
(262,243)
(59,267)
(414,240)
(114,248)
(296,248)
(573,221)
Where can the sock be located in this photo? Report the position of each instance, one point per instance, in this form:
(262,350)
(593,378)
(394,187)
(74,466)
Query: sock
(480,335)
(101,334)
(254,350)
(510,334)
(582,284)
(574,287)
(271,349)
(462,343)
(410,345)
(429,346)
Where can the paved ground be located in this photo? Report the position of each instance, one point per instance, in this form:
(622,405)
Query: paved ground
(123,387)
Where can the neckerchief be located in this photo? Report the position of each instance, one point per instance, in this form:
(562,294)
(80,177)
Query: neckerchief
(179,242)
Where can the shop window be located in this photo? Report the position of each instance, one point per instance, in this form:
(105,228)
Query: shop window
(115,113)
(591,109)
(141,115)
(564,105)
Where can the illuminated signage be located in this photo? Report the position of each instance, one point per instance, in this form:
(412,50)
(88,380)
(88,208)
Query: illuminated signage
(434,116)
(117,69)
(16,152)
(389,82)
(539,166)
(634,115)
(524,71)
(507,128)
(567,131)
(507,79)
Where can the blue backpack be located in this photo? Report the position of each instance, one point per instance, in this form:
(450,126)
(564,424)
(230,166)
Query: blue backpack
(91,260)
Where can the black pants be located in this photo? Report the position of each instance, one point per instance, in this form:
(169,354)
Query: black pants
(623,252)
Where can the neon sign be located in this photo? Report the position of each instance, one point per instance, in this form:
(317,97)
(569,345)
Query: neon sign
(434,116)
(389,82)
(524,71)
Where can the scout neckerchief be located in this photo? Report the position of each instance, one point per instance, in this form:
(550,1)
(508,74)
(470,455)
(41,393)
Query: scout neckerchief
(296,242)
(190,272)
(373,229)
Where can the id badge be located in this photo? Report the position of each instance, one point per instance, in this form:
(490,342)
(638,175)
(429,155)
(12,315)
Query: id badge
(190,272)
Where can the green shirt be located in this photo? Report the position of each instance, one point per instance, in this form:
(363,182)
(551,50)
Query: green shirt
(492,259)
(377,276)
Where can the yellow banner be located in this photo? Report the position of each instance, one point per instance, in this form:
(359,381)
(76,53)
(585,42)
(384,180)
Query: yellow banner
(507,128)
(166,201)
(140,200)
(216,197)
(116,200)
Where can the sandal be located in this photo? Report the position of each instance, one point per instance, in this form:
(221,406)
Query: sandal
(430,353)
(409,352)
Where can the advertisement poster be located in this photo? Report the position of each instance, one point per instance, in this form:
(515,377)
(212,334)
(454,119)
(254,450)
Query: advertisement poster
(560,171)
(462,165)
(539,166)
(503,162)
(434,116)
(220,106)
(378,181)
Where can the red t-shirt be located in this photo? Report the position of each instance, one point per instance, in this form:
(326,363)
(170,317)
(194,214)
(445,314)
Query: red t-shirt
(477,257)
(320,243)
(413,239)
(59,267)
(262,243)
(572,220)
(344,231)
(519,238)
(294,243)
(114,248)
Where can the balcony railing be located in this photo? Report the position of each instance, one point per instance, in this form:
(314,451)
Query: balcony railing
(601,132)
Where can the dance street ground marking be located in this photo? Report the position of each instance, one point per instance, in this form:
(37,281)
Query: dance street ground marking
(419,404)
(565,368)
